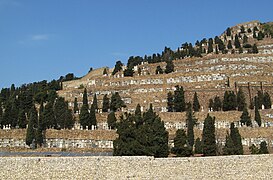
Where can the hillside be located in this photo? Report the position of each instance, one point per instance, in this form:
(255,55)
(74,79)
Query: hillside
(209,75)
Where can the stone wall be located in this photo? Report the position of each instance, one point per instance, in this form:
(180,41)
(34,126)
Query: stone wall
(226,167)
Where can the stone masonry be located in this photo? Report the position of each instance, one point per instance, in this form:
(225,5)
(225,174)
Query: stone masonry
(225,167)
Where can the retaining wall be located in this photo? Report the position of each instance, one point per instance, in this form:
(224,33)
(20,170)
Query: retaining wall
(225,167)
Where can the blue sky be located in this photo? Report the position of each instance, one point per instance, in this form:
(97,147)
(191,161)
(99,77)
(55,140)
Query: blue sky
(44,39)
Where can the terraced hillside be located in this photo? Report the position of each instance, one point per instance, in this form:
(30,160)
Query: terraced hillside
(209,75)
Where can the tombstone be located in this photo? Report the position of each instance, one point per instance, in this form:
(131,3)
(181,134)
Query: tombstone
(86,127)
(202,109)
(262,106)
(81,128)
(92,127)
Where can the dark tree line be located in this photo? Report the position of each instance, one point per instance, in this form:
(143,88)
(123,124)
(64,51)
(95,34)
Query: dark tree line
(141,135)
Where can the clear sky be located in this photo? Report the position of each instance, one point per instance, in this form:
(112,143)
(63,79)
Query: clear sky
(44,39)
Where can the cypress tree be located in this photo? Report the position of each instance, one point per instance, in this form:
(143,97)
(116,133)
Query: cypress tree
(259,100)
(208,137)
(76,106)
(104,71)
(241,100)
(263,148)
(1,114)
(105,103)
(32,125)
(179,99)
(217,105)
(85,99)
(228,31)
(93,118)
(210,48)
(49,120)
(95,102)
(196,105)
(237,42)
(118,67)
(181,146)
(245,39)
(69,119)
(112,120)
(191,121)
(236,139)
(198,149)
(229,146)
(170,99)
(116,102)
(60,112)
(169,67)
(84,116)
(229,46)
(211,104)
(158,70)
(139,119)
(255,49)
(22,120)
(253,149)
(267,101)
(245,118)
(257,117)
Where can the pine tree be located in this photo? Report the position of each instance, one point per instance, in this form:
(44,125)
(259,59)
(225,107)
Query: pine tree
(245,118)
(76,106)
(237,43)
(179,99)
(93,118)
(257,117)
(169,67)
(181,146)
(112,120)
(170,99)
(32,126)
(105,103)
(260,36)
(191,121)
(95,102)
(241,100)
(196,105)
(208,137)
(198,149)
(236,139)
(263,148)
